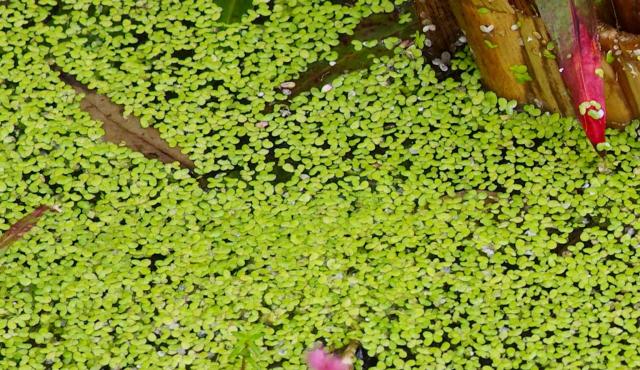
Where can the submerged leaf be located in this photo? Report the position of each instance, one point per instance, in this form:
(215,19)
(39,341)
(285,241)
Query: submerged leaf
(128,130)
(359,50)
(17,230)
(233,10)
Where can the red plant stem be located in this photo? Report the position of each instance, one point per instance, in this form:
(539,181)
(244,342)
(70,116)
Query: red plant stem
(581,75)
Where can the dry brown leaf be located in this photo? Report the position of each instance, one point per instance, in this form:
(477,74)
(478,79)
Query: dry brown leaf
(121,130)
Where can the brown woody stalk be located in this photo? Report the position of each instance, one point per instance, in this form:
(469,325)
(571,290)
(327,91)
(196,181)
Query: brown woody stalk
(518,37)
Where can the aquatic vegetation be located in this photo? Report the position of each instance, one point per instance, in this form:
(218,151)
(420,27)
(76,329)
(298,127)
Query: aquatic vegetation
(438,225)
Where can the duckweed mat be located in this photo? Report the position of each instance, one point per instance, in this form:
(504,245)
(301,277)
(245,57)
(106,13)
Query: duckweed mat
(440,226)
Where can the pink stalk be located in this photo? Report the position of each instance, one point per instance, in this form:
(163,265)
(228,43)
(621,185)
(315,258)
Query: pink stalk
(573,28)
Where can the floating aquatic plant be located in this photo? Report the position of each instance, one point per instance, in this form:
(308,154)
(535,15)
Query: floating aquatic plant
(442,225)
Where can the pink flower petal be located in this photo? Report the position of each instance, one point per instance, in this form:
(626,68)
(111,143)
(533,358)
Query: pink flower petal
(318,359)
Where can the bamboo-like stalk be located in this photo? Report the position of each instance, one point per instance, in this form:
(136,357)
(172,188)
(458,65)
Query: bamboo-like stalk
(622,76)
(502,38)
(627,13)
(505,35)
(438,13)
